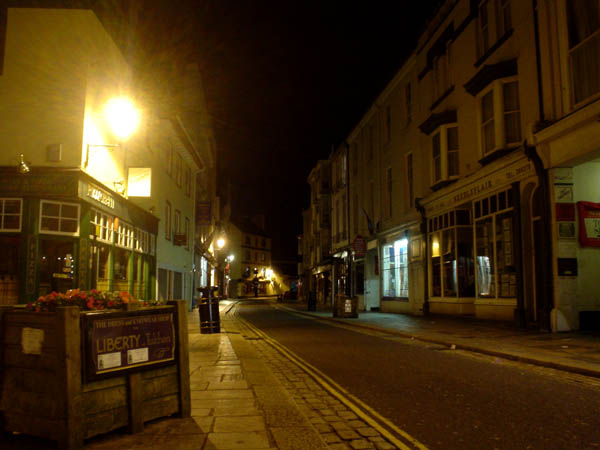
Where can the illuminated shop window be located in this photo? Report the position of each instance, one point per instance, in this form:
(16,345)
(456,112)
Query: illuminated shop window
(395,269)
(102,226)
(451,254)
(11,212)
(125,235)
(121,264)
(496,275)
(59,218)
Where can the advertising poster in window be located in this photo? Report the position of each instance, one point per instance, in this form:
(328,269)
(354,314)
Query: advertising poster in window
(589,224)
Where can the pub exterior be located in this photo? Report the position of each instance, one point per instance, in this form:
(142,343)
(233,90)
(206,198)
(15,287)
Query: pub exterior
(61,229)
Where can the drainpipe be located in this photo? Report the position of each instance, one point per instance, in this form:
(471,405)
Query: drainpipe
(421,210)
(544,299)
(349,291)
(536,27)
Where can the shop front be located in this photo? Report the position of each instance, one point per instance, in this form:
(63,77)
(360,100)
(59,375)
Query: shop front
(480,233)
(63,230)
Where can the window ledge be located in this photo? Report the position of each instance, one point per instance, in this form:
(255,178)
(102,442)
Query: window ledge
(493,48)
(442,98)
(442,184)
(496,154)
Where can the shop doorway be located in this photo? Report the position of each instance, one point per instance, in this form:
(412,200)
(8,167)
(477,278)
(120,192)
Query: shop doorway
(57,266)
(372,302)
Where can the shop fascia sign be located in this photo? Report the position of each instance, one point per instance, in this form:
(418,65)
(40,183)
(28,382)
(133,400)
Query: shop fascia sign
(99,195)
(496,180)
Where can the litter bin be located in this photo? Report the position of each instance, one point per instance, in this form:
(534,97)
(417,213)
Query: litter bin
(208,308)
(345,307)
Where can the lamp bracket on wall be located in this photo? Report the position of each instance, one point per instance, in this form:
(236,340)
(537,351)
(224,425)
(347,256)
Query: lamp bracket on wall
(87,151)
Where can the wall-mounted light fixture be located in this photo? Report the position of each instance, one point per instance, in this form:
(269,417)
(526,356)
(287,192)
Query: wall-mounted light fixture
(23,166)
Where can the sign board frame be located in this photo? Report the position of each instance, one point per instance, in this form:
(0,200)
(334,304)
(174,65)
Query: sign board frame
(126,335)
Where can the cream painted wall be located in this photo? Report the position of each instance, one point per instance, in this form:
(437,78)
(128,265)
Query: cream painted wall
(59,66)
(586,187)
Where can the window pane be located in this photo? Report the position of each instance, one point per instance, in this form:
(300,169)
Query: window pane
(585,69)
(511,96)
(507,277)
(49,224)
(466,267)
(11,222)
(436,145)
(436,280)
(121,263)
(68,225)
(449,257)
(512,125)
(12,207)
(583,20)
(453,138)
(69,211)
(487,106)
(485,258)
(50,209)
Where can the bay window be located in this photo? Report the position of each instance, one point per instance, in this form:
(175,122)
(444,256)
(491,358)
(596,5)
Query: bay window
(583,21)
(500,116)
(445,156)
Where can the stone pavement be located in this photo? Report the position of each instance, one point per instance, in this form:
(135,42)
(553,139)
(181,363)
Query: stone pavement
(575,352)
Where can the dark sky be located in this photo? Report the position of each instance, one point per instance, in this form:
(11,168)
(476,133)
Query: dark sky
(287,80)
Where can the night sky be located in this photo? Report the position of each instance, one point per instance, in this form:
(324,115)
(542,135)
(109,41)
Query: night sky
(285,82)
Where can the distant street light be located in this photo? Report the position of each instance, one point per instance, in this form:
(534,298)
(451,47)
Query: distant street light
(220,242)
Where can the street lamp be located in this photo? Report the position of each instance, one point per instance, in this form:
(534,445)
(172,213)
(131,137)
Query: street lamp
(123,119)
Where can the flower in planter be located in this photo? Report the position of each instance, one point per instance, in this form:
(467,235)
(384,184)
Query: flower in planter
(85,300)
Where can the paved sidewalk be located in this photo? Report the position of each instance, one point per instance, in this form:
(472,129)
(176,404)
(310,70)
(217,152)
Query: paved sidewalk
(570,351)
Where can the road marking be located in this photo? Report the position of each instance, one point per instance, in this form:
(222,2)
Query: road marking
(361,409)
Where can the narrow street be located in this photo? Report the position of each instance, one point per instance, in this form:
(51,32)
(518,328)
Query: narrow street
(443,398)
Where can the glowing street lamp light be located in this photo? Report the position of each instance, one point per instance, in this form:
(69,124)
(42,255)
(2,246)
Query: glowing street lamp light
(122,116)
(220,242)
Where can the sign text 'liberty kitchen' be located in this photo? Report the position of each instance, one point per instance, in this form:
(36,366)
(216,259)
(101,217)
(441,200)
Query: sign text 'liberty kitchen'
(123,341)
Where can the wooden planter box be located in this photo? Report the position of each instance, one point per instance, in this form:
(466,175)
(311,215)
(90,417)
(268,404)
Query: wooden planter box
(45,391)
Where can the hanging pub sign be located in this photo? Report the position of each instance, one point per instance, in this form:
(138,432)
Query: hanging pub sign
(589,224)
(128,341)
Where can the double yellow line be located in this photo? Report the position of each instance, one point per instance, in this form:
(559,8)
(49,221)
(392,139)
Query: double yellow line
(385,427)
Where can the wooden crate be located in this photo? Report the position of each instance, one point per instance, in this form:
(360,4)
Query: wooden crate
(44,394)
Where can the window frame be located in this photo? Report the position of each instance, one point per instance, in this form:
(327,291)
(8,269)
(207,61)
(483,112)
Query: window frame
(106,223)
(60,204)
(442,132)
(168,211)
(496,87)
(3,201)
(187,225)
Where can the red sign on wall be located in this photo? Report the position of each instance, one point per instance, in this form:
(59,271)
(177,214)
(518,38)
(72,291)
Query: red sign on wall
(589,224)
(359,246)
